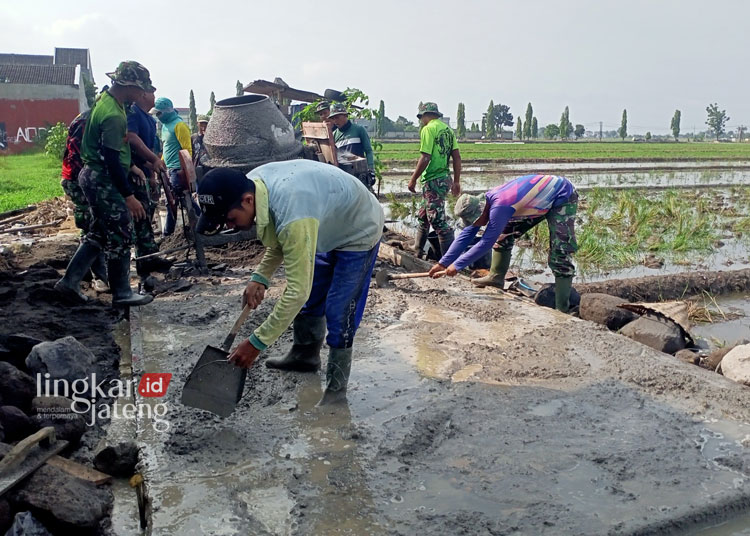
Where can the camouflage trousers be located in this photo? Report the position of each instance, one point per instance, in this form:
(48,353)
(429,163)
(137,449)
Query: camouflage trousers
(143,231)
(81,212)
(111,226)
(562,236)
(432,209)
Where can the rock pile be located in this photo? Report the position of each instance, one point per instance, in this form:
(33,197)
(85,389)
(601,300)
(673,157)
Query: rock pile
(51,500)
(665,335)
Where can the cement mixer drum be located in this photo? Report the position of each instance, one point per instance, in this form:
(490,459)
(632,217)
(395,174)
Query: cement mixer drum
(248,131)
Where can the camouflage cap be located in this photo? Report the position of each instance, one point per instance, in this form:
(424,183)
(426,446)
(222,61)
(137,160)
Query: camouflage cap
(468,208)
(132,73)
(202,118)
(429,108)
(322,105)
(338,108)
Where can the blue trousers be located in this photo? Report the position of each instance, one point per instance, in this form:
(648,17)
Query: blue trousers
(340,285)
(174,181)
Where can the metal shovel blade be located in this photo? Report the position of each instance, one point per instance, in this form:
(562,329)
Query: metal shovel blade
(382,279)
(215,384)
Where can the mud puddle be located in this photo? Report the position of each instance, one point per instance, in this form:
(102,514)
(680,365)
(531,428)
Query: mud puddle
(467,414)
(731,320)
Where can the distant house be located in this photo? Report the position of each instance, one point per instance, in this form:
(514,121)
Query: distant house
(37,91)
(184,114)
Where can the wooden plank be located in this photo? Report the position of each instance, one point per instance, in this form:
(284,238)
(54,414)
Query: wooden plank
(33,461)
(14,212)
(399,257)
(79,471)
(317,131)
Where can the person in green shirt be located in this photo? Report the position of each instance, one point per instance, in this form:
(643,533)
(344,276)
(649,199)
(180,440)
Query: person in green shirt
(437,145)
(106,157)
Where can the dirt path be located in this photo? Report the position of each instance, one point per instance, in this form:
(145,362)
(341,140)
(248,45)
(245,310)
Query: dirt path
(468,414)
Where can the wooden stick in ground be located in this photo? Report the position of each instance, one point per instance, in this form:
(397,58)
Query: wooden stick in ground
(165,252)
(32,227)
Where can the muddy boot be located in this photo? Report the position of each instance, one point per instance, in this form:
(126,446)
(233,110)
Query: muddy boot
(100,281)
(70,284)
(309,332)
(445,239)
(562,293)
(498,269)
(420,242)
(119,282)
(154,264)
(337,376)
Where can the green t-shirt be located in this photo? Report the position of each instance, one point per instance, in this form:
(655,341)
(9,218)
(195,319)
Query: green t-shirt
(107,127)
(437,140)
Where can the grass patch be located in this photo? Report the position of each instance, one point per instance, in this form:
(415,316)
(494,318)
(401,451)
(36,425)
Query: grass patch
(616,228)
(579,151)
(28,178)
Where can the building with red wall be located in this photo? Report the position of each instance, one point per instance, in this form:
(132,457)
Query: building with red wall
(36,92)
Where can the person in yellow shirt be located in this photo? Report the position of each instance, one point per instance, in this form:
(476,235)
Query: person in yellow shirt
(175,135)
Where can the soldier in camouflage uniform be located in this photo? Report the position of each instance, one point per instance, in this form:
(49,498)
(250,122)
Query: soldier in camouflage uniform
(507,212)
(437,146)
(71,168)
(106,157)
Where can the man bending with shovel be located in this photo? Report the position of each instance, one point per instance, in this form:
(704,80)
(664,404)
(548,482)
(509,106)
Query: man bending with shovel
(325,228)
(508,211)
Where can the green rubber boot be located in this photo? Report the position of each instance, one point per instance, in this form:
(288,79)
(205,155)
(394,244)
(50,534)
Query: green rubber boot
(337,376)
(304,356)
(498,269)
(562,293)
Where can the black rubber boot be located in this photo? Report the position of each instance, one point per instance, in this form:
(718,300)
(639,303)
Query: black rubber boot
(70,284)
(420,242)
(154,264)
(562,293)
(119,282)
(309,332)
(337,376)
(445,240)
(99,268)
(498,269)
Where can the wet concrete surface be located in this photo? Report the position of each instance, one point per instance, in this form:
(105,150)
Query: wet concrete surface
(468,414)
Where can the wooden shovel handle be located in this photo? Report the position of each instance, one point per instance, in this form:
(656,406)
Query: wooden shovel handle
(237,325)
(413,276)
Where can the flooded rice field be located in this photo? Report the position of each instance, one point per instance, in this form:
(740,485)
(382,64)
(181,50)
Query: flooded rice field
(477,178)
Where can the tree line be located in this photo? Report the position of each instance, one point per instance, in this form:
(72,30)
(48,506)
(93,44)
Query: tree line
(498,116)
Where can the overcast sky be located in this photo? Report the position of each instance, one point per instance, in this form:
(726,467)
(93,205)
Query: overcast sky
(596,56)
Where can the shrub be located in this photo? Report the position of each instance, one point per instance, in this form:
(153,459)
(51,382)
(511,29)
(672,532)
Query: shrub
(56,137)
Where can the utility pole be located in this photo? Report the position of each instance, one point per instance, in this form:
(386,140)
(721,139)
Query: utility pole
(600,131)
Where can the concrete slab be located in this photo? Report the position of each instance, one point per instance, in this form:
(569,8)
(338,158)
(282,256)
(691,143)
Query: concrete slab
(468,413)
